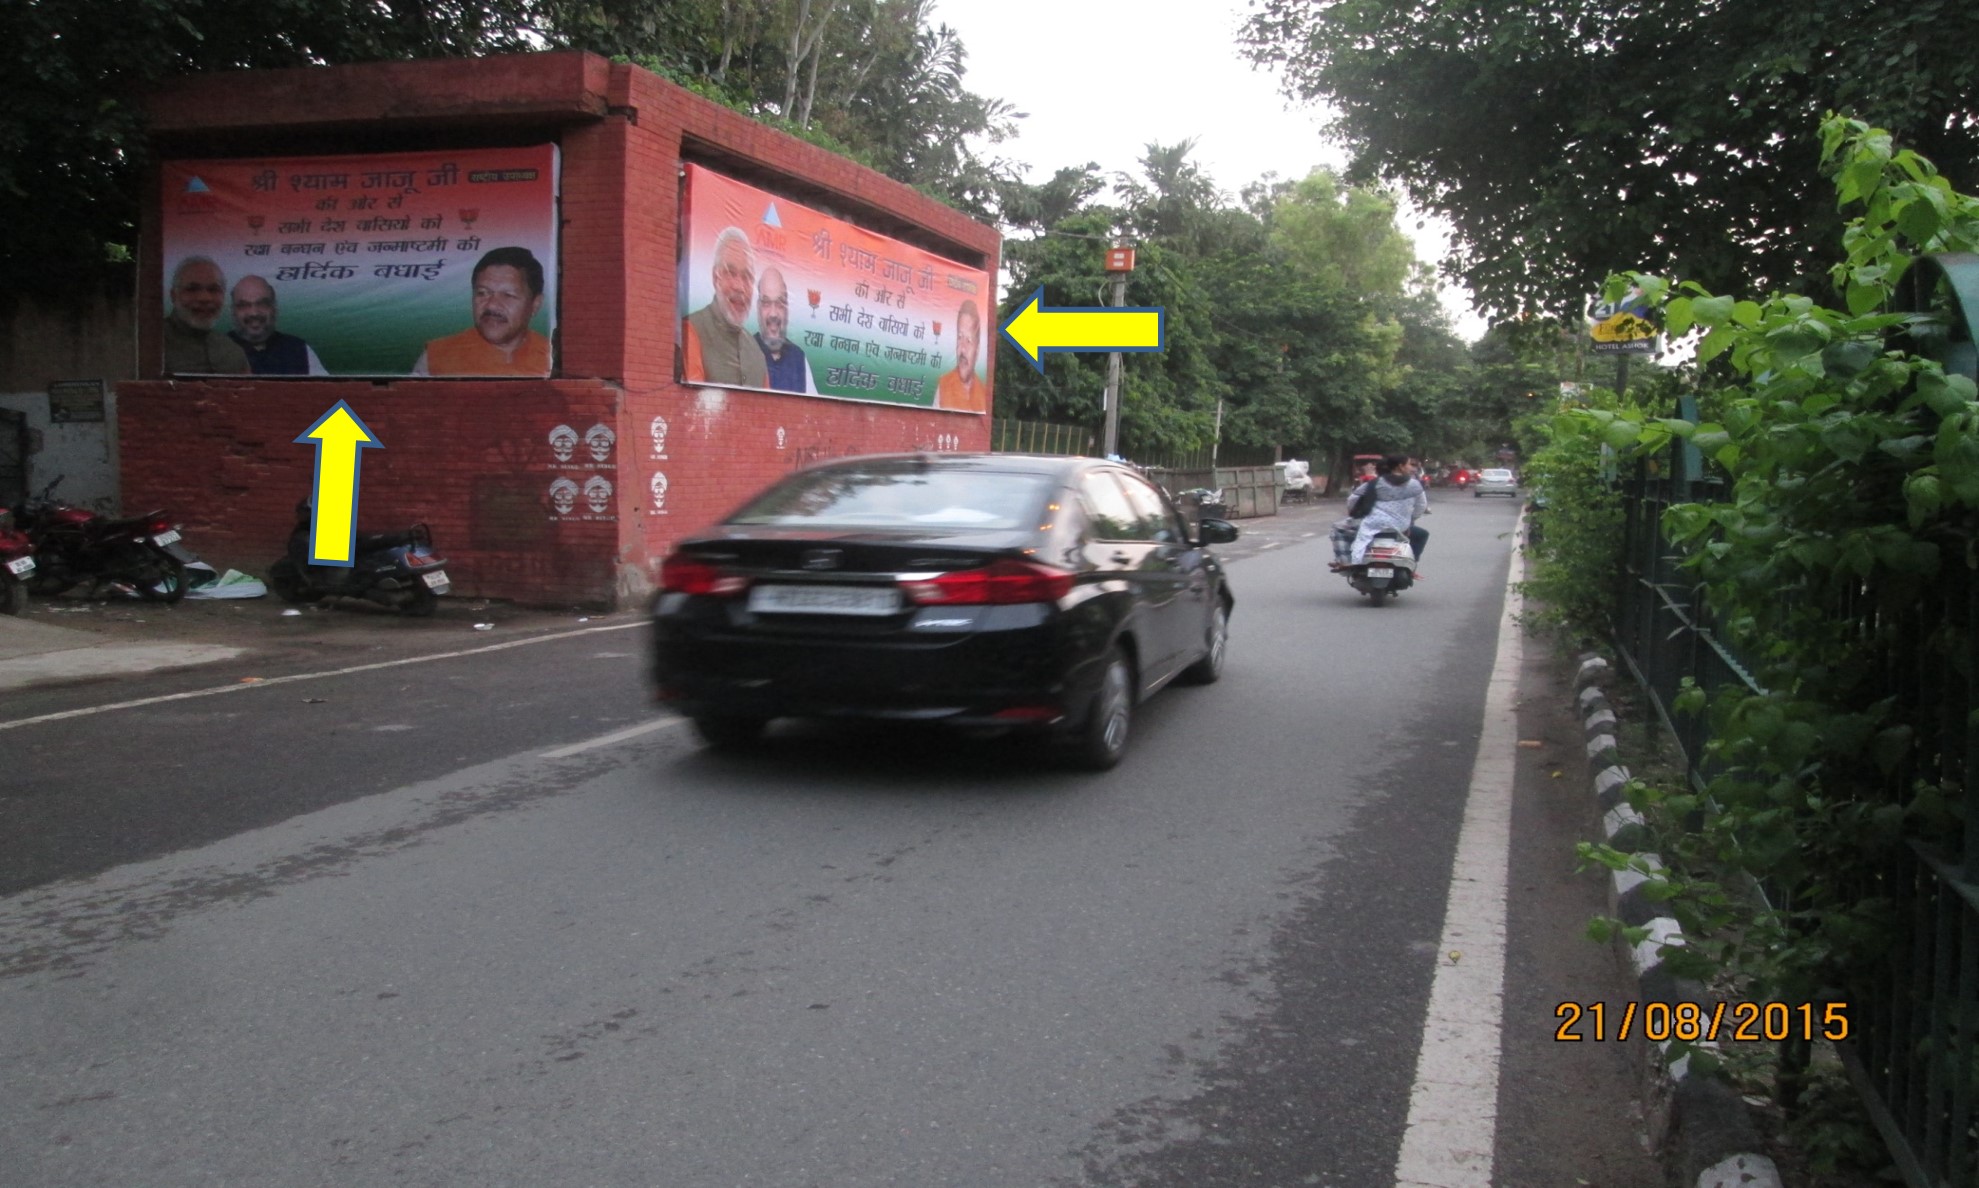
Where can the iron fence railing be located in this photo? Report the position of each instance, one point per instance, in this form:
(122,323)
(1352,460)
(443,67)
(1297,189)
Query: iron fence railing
(1913,1012)
(1204,458)
(1041,437)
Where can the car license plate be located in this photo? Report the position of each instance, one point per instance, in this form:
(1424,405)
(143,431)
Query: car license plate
(824,600)
(437,581)
(166,537)
(21,566)
(1379,571)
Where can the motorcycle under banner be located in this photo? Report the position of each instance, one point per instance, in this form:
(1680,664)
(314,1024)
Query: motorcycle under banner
(861,316)
(370,258)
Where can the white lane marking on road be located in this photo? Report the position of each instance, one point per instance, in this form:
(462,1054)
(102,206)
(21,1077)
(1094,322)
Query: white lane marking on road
(1270,544)
(616,736)
(307,676)
(1453,1106)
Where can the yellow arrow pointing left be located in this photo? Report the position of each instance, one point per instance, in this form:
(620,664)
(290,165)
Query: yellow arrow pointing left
(1036,328)
(338,436)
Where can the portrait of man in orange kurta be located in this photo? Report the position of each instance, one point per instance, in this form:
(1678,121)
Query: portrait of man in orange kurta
(962,389)
(508,291)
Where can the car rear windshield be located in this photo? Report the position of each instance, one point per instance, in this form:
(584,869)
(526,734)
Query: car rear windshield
(1498,475)
(901,497)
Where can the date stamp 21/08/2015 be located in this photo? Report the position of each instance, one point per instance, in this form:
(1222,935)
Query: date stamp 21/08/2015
(1690,1022)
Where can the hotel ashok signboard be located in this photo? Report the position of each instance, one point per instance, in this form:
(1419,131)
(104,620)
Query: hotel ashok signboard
(372,261)
(780,297)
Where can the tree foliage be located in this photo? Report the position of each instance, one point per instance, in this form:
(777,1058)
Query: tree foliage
(873,78)
(1567,139)
(1849,499)
(1300,307)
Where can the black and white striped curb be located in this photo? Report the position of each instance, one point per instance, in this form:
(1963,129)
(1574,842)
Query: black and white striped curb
(1703,1125)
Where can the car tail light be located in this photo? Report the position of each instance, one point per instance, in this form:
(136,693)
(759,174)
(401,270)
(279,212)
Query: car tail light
(1001,583)
(682,573)
(157,524)
(1029,713)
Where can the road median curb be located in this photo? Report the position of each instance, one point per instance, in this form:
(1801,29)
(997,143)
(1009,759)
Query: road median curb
(1701,1123)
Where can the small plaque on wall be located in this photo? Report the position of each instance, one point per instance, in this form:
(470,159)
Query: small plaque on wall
(75,400)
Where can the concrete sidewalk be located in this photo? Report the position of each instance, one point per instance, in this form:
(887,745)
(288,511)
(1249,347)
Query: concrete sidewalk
(34,653)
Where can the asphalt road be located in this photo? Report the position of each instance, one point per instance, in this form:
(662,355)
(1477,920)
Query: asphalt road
(405,926)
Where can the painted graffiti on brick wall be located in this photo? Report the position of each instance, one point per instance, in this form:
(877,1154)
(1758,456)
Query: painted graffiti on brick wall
(583,469)
(396,264)
(784,298)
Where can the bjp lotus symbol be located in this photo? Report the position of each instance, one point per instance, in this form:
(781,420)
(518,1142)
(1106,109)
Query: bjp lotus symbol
(937,330)
(813,296)
(468,214)
(256,221)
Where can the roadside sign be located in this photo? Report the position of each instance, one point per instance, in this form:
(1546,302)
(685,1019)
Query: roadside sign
(1625,327)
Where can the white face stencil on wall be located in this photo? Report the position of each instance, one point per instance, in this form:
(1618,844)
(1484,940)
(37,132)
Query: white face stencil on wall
(599,439)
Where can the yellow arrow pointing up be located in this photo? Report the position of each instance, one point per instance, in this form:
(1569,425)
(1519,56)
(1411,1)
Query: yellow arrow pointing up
(1036,328)
(338,436)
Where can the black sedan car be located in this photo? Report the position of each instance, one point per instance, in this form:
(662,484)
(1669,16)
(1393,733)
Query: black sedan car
(1049,594)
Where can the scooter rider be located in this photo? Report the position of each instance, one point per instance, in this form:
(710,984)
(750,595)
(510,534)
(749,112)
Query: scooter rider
(1345,528)
(1399,502)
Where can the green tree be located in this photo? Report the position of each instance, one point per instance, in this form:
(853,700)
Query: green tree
(872,78)
(1299,307)
(71,140)
(1566,140)
(1843,510)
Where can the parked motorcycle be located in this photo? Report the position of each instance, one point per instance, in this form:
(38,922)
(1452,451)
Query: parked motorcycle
(394,569)
(1387,569)
(74,545)
(16,565)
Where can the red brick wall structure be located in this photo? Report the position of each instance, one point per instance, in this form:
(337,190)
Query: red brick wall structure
(486,462)
(221,457)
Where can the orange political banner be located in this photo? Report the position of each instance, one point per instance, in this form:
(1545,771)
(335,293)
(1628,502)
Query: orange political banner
(779,297)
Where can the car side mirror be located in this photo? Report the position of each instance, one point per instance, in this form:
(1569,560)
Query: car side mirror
(1215,532)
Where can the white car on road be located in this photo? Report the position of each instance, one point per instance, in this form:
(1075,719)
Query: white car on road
(1497,481)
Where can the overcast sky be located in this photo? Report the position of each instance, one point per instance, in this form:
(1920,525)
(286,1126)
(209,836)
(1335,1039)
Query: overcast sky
(1102,79)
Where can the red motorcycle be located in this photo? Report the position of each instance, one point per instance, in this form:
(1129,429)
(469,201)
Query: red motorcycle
(16,565)
(74,545)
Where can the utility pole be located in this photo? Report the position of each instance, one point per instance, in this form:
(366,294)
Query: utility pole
(1119,262)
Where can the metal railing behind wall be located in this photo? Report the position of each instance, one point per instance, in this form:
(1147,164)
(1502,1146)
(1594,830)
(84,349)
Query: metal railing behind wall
(1913,1048)
(1041,437)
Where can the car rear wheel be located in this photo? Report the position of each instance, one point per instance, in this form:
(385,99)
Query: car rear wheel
(726,732)
(1102,740)
(1206,670)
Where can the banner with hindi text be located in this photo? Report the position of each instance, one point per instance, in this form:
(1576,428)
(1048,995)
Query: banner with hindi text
(370,259)
(831,308)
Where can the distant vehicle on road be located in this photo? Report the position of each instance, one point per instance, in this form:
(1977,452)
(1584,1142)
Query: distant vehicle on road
(1496,481)
(1046,595)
